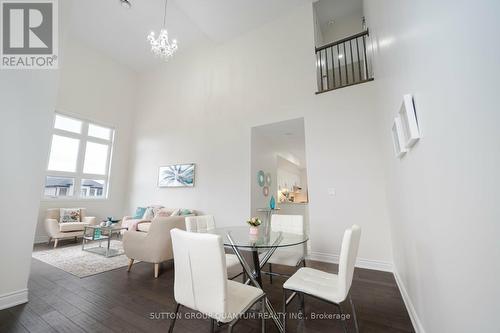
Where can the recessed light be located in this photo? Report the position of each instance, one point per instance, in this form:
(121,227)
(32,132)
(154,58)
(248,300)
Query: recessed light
(125,4)
(341,56)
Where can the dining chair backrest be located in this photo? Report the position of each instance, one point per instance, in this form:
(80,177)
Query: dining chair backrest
(293,224)
(347,260)
(200,271)
(201,223)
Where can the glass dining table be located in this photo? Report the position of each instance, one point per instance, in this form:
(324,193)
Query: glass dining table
(262,246)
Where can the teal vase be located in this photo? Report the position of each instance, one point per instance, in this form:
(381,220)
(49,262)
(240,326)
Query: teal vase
(272,202)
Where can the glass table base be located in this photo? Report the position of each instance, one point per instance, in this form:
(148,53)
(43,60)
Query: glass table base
(104,251)
(255,276)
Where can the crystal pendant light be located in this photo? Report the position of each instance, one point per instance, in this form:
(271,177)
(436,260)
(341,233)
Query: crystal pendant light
(161,46)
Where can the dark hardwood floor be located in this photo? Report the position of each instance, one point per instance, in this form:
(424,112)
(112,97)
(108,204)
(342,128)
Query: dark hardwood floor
(117,301)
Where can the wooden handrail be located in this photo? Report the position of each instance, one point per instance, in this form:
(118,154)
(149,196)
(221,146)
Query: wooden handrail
(343,40)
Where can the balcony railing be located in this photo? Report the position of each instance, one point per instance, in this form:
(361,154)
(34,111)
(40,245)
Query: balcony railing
(343,63)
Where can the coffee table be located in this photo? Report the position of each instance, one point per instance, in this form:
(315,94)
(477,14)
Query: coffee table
(94,233)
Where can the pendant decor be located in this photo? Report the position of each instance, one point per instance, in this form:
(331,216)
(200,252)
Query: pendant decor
(161,46)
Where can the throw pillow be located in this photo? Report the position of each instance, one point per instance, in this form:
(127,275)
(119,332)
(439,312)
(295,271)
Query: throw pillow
(175,212)
(185,212)
(148,214)
(157,209)
(163,212)
(139,213)
(69,215)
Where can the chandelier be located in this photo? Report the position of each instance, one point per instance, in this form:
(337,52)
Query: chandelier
(161,46)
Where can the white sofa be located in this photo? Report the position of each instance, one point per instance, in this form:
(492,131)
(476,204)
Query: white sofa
(57,231)
(144,224)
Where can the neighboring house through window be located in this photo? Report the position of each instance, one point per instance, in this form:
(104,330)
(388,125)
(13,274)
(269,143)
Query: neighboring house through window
(80,159)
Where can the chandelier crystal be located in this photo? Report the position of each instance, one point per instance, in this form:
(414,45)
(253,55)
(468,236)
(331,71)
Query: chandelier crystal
(161,46)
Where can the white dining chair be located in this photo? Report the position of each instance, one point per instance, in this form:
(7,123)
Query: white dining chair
(294,255)
(331,288)
(201,223)
(204,223)
(201,281)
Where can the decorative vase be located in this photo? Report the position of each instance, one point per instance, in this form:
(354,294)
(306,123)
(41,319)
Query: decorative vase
(272,203)
(254,231)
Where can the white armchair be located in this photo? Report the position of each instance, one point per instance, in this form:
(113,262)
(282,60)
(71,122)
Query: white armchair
(57,230)
(154,246)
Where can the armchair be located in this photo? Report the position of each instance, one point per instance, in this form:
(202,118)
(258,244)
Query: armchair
(57,231)
(153,246)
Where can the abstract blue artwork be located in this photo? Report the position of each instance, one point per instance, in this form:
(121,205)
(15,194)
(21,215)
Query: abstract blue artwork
(177,175)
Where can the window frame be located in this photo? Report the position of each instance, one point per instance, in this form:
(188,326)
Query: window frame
(79,175)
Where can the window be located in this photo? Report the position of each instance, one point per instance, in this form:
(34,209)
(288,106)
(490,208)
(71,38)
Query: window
(79,160)
(59,186)
(63,153)
(92,188)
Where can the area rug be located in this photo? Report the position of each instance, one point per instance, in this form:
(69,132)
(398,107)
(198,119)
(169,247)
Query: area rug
(80,263)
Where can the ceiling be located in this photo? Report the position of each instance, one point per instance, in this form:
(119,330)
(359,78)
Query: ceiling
(121,33)
(327,10)
(287,138)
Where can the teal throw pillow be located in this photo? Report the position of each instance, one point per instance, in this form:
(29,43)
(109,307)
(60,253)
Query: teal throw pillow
(139,213)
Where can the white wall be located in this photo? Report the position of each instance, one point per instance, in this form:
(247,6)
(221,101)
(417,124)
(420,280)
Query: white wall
(318,36)
(94,87)
(342,27)
(443,195)
(27,99)
(263,157)
(200,108)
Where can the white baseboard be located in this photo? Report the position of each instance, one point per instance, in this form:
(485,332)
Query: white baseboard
(12,299)
(378,265)
(417,324)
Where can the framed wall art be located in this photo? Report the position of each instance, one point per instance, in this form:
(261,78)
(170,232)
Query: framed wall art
(398,138)
(408,116)
(176,175)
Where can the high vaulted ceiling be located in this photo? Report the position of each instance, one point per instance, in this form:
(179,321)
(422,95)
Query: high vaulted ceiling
(121,33)
(328,10)
(287,139)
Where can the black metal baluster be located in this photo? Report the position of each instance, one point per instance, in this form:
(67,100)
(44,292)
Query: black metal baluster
(321,71)
(366,60)
(345,63)
(333,67)
(340,70)
(327,75)
(352,61)
(317,70)
(359,60)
